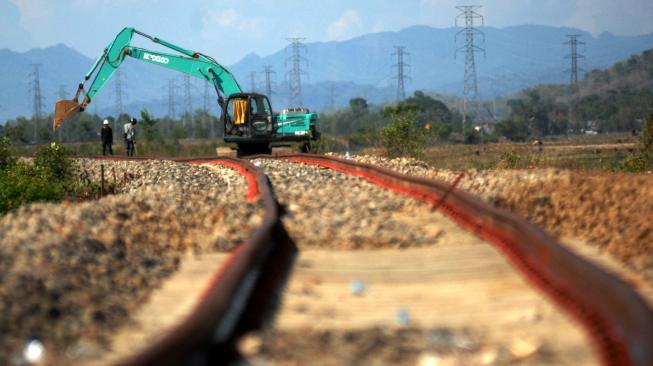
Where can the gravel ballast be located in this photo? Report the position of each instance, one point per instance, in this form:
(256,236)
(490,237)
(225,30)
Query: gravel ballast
(70,273)
(333,210)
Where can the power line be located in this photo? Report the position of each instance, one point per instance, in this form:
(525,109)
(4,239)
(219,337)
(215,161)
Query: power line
(401,65)
(296,72)
(470,89)
(267,70)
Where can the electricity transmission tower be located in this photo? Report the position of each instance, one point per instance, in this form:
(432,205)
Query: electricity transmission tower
(36,91)
(119,106)
(296,72)
(332,97)
(206,99)
(252,81)
(470,89)
(171,98)
(37,99)
(401,65)
(187,97)
(573,43)
(267,70)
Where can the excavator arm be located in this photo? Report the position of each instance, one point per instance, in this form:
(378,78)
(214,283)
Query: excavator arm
(189,62)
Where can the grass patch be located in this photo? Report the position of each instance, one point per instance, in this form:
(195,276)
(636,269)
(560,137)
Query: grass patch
(605,153)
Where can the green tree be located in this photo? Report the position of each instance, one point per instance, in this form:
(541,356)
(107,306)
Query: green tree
(148,130)
(514,129)
(403,136)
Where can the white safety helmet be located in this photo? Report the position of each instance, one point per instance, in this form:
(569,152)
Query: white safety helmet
(106,122)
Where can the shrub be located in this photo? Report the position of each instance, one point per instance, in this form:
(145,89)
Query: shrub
(634,164)
(643,159)
(6,157)
(50,178)
(52,160)
(403,136)
(23,184)
(509,160)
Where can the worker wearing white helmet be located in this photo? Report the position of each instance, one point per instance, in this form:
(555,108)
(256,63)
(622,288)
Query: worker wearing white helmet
(107,138)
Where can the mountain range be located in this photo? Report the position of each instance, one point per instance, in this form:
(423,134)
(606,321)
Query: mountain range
(514,58)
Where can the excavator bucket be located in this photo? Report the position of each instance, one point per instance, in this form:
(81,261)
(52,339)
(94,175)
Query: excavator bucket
(64,110)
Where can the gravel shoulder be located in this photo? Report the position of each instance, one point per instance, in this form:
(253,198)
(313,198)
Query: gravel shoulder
(71,273)
(611,211)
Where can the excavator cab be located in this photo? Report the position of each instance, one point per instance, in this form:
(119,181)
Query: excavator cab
(248,115)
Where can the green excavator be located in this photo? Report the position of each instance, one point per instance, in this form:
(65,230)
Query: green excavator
(247,117)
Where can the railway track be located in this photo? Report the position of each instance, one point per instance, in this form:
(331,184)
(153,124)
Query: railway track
(243,291)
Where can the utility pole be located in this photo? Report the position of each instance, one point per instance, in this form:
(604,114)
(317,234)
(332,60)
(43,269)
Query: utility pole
(37,99)
(119,106)
(470,89)
(267,70)
(400,52)
(573,43)
(171,98)
(296,72)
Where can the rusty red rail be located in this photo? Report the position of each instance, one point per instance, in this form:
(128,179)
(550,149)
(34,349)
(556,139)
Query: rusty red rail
(243,293)
(616,318)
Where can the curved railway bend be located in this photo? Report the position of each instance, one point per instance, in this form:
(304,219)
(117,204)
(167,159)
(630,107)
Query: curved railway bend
(391,270)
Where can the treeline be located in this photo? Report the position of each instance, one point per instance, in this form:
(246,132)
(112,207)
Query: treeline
(86,127)
(361,122)
(616,99)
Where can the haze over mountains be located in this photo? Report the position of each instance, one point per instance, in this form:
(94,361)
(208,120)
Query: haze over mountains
(516,57)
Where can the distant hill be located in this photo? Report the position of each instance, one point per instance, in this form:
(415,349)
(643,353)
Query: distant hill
(633,73)
(615,99)
(516,58)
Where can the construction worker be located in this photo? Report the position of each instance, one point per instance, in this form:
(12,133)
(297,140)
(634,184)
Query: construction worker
(107,138)
(130,132)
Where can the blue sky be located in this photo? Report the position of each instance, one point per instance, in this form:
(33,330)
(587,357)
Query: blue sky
(230,29)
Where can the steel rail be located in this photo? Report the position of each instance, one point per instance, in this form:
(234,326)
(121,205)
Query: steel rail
(617,320)
(243,293)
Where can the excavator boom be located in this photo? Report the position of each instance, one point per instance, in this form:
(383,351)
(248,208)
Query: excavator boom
(189,62)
